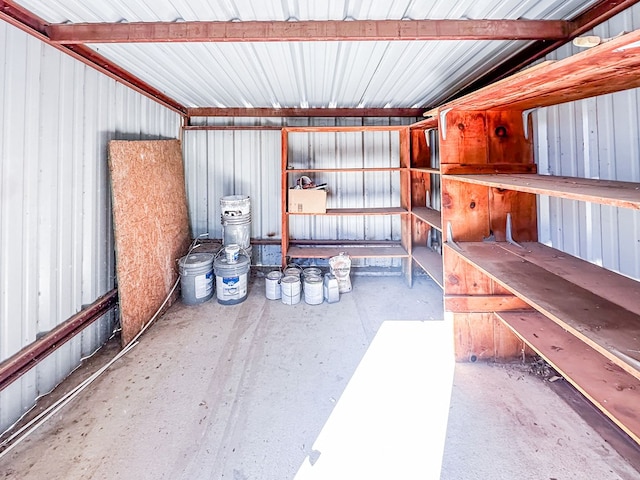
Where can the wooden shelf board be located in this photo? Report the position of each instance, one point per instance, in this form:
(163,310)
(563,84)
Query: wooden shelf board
(587,313)
(428,215)
(433,171)
(358,211)
(430,262)
(351,129)
(611,389)
(352,250)
(293,171)
(606,192)
(610,67)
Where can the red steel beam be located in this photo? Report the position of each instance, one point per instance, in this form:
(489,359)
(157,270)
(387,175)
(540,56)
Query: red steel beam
(595,15)
(33,25)
(311,30)
(304,112)
(17,365)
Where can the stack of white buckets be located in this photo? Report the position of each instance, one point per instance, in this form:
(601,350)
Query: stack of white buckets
(231,265)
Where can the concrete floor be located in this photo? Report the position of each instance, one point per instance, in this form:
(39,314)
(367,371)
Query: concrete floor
(264,391)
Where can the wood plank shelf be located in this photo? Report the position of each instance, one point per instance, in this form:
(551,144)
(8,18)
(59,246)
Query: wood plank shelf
(606,192)
(429,215)
(430,262)
(614,391)
(354,251)
(586,309)
(291,171)
(357,211)
(433,171)
(610,67)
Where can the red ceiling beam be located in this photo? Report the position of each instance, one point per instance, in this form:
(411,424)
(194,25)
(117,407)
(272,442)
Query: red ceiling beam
(304,112)
(304,31)
(33,25)
(584,22)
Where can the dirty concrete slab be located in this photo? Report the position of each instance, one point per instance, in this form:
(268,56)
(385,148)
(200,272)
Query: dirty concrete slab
(242,392)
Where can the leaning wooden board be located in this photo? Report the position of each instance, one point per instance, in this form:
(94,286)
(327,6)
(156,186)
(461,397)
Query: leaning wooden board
(151,225)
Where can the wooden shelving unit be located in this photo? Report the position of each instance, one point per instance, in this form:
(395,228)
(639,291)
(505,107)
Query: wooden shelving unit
(426,221)
(363,249)
(505,292)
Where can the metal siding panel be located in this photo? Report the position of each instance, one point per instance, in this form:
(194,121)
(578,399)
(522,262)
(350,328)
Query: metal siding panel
(593,138)
(56,239)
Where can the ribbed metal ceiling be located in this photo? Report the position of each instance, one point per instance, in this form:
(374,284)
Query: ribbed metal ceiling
(372,74)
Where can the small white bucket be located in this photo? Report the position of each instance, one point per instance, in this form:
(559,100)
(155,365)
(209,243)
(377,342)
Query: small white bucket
(231,253)
(290,289)
(272,285)
(292,270)
(311,271)
(313,291)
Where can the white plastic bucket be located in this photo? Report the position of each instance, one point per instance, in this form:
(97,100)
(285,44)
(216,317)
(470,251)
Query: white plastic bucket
(290,289)
(313,291)
(196,277)
(311,271)
(231,279)
(236,233)
(235,205)
(272,288)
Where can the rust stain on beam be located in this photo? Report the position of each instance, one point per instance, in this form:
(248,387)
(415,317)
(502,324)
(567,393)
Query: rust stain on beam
(304,31)
(304,112)
(17,365)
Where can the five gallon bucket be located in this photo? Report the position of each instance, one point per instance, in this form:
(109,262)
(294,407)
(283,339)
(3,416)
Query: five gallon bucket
(231,279)
(235,205)
(196,278)
(290,289)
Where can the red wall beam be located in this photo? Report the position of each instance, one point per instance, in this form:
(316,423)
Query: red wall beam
(304,112)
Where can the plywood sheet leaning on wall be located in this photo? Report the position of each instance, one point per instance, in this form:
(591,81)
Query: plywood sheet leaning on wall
(151,225)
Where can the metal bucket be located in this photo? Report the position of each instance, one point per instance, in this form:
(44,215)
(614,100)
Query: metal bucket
(231,279)
(196,277)
(290,289)
(272,285)
(292,270)
(313,294)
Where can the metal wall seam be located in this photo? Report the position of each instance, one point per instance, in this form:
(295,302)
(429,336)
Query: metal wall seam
(593,138)
(56,235)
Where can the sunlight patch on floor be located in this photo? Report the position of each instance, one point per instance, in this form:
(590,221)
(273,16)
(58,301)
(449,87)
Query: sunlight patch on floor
(391,420)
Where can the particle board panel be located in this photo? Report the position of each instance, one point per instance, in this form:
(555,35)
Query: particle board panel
(604,325)
(610,388)
(151,225)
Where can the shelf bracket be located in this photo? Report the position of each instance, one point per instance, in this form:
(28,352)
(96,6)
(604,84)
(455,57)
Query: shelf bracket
(427,136)
(450,240)
(509,236)
(443,122)
(525,121)
(427,198)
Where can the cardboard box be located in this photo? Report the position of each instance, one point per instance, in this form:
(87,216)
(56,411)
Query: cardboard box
(307,201)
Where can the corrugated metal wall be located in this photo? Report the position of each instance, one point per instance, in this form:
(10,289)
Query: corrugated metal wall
(248,162)
(56,241)
(594,138)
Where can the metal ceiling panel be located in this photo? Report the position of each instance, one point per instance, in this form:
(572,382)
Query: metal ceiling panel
(306,74)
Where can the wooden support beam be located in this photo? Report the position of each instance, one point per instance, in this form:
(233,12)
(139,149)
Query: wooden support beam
(309,30)
(303,112)
(597,14)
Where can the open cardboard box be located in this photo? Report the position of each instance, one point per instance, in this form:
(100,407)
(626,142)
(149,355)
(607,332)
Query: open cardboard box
(307,201)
